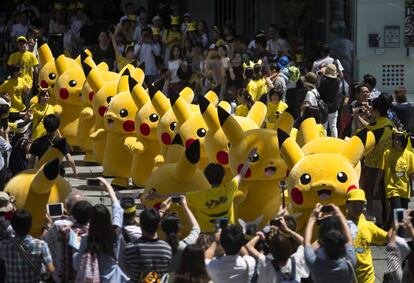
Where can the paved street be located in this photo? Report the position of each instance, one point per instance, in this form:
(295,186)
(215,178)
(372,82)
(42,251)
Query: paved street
(95,195)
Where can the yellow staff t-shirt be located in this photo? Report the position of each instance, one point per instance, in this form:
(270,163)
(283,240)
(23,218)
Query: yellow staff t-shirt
(14,88)
(39,112)
(273,112)
(213,204)
(26,60)
(368,233)
(397,166)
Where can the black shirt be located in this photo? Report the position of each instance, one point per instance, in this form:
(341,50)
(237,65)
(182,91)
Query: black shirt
(42,144)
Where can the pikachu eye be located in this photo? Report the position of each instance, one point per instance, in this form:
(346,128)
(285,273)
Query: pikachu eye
(153,117)
(173,125)
(305,179)
(108,99)
(52,76)
(123,113)
(342,177)
(254,158)
(72,83)
(201,132)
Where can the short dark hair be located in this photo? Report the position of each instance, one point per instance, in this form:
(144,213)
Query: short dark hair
(232,239)
(127,203)
(370,80)
(382,103)
(334,244)
(214,173)
(400,94)
(325,49)
(281,247)
(51,123)
(21,222)
(149,220)
(81,211)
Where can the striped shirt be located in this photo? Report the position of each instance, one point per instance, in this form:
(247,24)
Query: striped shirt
(145,256)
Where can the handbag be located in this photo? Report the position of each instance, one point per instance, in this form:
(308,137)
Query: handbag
(89,269)
(38,123)
(117,275)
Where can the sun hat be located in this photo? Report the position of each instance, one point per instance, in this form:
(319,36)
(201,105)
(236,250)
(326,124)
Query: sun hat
(329,71)
(356,195)
(191,26)
(310,80)
(175,21)
(156,18)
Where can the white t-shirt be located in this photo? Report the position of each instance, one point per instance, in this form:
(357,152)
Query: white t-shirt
(319,64)
(311,97)
(231,269)
(274,46)
(267,273)
(173,66)
(145,53)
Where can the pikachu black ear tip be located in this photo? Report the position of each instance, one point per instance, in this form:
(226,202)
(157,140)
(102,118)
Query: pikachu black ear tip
(177,140)
(52,169)
(192,152)
(131,83)
(282,136)
(222,114)
(86,68)
(203,103)
(173,95)
(126,72)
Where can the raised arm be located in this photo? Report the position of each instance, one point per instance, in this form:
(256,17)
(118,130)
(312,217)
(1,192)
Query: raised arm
(245,167)
(311,223)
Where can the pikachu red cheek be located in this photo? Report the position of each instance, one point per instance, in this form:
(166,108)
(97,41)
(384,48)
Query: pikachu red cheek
(64,93)
(166,138)
(351,187)
(90,95)
(44,84)
(102,110)
(296,196)
(129,126)
(144,129)
(248,172)
(222,157)
(189,142)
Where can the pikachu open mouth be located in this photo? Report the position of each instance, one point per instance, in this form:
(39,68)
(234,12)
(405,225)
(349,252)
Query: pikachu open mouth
(324,194)
(110,122)
(270,171)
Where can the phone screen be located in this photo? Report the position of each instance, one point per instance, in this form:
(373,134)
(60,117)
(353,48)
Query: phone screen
(399,215)
(55,209)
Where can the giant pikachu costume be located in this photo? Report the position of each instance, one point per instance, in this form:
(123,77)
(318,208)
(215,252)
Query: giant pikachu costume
(324,170)
(34,188)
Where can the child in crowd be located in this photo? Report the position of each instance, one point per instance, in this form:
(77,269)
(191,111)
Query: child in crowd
(275,106)
(245,102)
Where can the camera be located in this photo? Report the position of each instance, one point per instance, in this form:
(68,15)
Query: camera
(275,222)
(327,209)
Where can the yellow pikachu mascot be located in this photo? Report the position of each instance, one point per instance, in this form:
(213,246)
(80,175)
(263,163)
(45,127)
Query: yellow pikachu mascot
(87,119)
(182,177)
(258,196)
(216,143)
(69,105)
(144,146)
(119,121)
(104,91)
(191,125)
(48,74)
(34,188)
(324,170)
(168,123)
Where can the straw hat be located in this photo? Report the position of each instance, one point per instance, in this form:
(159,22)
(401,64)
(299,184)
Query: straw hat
(310,80)
(330,71)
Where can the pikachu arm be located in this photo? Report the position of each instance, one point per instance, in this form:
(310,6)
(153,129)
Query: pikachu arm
(241,194)
(98,135)
(133,145)
(58,109)
(159,158)
(87,113)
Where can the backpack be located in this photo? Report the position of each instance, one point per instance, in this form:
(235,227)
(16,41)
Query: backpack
(89,269)
(294,74)
(286,278)
(322,106)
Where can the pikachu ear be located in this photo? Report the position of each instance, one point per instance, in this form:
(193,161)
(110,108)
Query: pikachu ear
(257,113)
(289,149)
(45,54)
(212,97)
(123,84)
(58,151)
(286,120)
(45,177)
(308,130)
(362,143)
(209,113)
(230,126)
(102,66)
(180,107)
(92,74)
(160,102)
(61,64)
(187,165)
(138,93)
(187,94)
